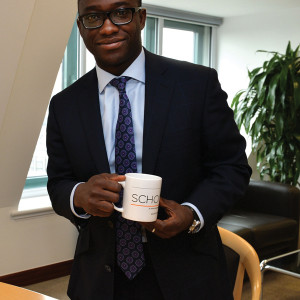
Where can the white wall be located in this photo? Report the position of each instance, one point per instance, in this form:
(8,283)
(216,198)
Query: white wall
(34,242)
(240,37)
(34,34)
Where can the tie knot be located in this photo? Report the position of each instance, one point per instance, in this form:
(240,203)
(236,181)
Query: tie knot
(120,83)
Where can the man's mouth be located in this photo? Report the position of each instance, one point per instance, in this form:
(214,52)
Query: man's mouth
(111,44)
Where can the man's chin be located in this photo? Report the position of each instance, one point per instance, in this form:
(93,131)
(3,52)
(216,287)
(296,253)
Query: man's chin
(115,65)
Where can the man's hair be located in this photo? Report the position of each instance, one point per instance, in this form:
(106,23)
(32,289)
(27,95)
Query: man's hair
(139,3)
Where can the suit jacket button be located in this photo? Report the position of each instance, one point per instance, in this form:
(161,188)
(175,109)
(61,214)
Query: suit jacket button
(110,224)
(107,268)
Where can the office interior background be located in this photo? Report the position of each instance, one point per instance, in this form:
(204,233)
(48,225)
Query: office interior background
(35,64)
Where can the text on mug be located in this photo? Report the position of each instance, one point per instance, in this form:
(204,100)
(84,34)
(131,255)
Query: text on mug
(145,198)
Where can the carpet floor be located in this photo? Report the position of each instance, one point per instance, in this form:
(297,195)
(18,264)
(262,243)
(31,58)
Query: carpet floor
(275,287)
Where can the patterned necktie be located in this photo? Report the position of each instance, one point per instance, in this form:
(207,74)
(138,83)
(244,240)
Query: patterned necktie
(130,255)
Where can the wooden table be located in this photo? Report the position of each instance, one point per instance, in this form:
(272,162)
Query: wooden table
(11,292)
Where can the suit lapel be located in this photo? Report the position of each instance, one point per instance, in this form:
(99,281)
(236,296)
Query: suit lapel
(89,110)
(158,94)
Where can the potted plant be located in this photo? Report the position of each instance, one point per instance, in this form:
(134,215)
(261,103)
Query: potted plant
(269,109)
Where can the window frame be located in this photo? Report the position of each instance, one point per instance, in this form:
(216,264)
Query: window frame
(70,73)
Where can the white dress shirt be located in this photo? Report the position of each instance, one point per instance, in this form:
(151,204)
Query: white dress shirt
(109,109)
(109,106)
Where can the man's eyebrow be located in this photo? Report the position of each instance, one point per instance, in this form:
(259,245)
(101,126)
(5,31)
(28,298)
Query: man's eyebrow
(96,8)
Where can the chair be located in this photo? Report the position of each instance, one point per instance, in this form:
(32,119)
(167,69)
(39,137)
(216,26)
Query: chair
(248,260)
(10,292)
(267,217)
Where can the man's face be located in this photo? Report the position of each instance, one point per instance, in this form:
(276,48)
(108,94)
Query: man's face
(114,47)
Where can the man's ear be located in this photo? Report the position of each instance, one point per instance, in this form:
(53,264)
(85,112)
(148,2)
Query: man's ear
(79,25)
(143,15)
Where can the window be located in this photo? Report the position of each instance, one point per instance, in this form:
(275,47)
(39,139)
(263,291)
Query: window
(185,41)
(179,35)
(149,36)
(178,40)
(68,73)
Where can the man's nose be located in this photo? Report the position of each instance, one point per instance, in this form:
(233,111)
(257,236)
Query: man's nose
(109,27)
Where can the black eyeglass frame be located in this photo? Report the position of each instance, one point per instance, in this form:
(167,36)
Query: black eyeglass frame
(107,15)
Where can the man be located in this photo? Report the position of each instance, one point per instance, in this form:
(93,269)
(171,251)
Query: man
(183,131)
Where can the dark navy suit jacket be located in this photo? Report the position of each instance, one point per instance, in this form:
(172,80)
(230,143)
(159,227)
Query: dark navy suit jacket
(190,140)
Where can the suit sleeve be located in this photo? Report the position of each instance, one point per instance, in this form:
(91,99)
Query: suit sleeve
(61,179)
(225,164)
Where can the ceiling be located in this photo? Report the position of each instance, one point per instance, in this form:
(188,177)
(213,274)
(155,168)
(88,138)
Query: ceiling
(227,8)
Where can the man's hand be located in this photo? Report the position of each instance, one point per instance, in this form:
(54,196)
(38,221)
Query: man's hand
(180,219)
(97,195)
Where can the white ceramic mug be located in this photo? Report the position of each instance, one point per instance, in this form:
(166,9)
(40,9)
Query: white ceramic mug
(140,197)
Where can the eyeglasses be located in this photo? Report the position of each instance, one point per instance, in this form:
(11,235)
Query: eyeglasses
(119,16)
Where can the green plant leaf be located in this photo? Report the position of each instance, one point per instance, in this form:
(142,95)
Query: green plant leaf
(291,147)
(288,49)
(296,85)
(283,79)
(279,125)
(279,149)
(297,175)
(296,133)
(271,97)
(254,72)
(260,85)
(236,98)
(282,100)
(265,51)
(257,124)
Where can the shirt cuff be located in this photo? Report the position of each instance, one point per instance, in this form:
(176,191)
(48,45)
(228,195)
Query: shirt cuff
(197,212)
(84,216)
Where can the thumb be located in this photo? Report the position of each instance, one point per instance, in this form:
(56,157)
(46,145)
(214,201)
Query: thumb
(163,202)
(116,177)
(167,205)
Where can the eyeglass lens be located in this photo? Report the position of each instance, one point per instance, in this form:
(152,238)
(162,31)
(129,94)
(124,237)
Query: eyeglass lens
(118,17)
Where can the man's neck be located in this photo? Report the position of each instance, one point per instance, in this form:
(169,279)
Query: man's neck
(136,70)
(118,70)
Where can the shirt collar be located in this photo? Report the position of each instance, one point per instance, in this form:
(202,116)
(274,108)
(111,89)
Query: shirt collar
(136,70)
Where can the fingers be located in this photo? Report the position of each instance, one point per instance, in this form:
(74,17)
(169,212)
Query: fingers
(148,225)
(165,229)
(116,177)
(101,209)
(98,194)
(159,227)
(168,205)
(163,202)
(105,182)
(179,219)
(162,228)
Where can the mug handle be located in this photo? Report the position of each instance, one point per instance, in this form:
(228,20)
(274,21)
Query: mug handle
(120,209)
